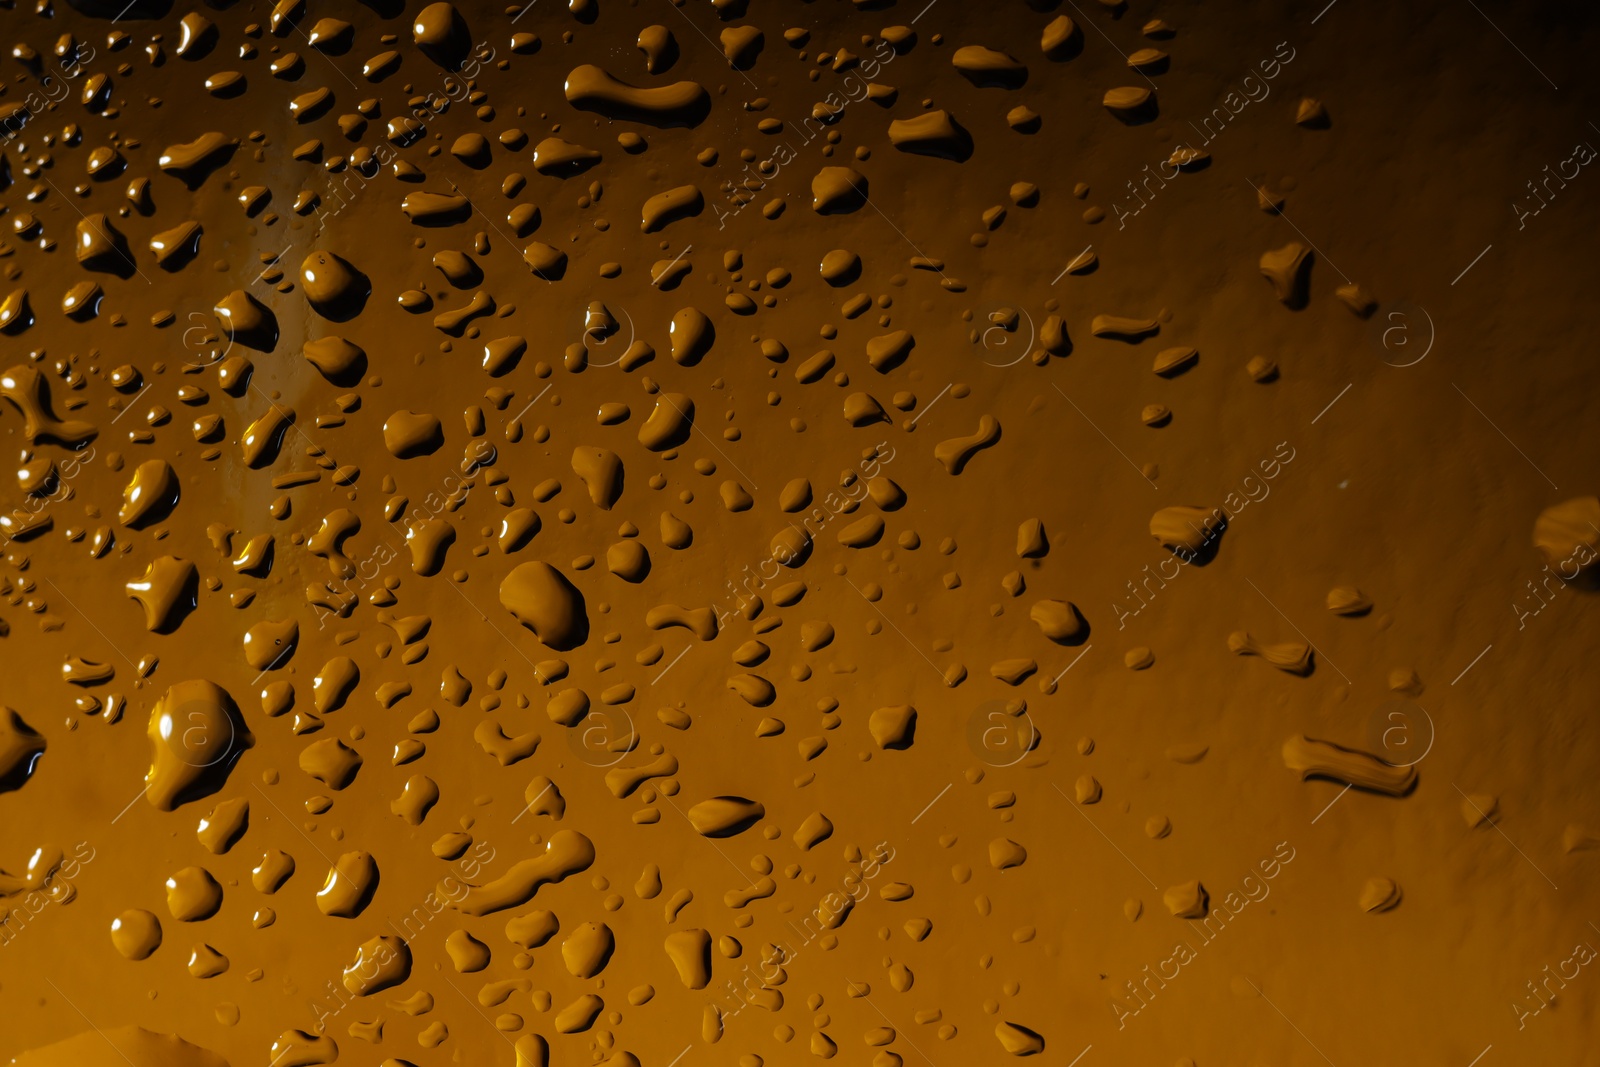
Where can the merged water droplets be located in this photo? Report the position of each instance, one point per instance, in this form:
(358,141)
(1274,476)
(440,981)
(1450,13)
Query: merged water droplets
(545,601)
(196,736)
(468,404)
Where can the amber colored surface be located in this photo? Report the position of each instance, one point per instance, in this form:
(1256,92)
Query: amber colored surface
(719,533)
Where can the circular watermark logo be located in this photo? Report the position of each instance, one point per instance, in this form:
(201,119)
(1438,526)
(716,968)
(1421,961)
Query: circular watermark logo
(1400,732)
(199,733)
(603,737)
(1001,732)
(603,336)
(1402,333)
(1002,338)
(205,342)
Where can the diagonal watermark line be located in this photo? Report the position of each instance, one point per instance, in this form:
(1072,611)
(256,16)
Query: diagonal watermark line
(486,1018)
(273,664)
(1084,20)
(1474,663)
(1474,263)
(716,47)
(899,631)
(1513,44)
(492,225)
(656,281)
(537,673)
(332,866)
(130,804)
(1074,806)
(307,37)
(1502,433)
(1070,262)
(529,805)
(1332,402)
(1290,1021)
(268,266)
(484,616)
(932,802)
(1102,433)
(1502,833)
(1301,232)
(929,408)
(85,1014)
(710,841)
(693,424)
(864,995)
(1331,803)
(126,257)
(1301,632)
(671,665)
(903,236)
(1071,665)
(91,622)
(129,405)
(532,402)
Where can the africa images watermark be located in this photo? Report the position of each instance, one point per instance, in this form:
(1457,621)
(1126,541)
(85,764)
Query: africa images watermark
(1251,89)
(1216,917)
(1543,593)
(368,966)
(844,500)
(56,887)
(29,518)
(1254,489)
(51,91)
(1545,188)
(755,985)
(1543,993)
(338,598)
